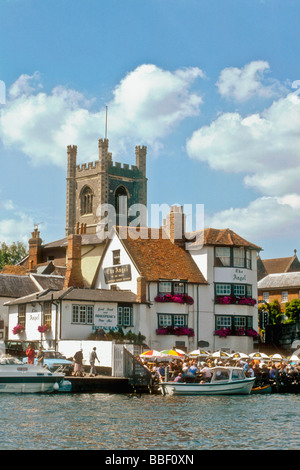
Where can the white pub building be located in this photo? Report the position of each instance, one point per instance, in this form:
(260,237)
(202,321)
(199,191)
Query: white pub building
(204,295)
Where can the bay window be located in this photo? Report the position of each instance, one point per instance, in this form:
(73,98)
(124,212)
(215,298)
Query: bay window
(238,257)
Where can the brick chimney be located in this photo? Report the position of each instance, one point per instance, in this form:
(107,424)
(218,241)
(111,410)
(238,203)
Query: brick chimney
(73,277)
(141,290)
(35,250)
(175,226)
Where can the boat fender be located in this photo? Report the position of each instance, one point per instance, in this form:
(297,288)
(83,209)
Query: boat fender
(56,386)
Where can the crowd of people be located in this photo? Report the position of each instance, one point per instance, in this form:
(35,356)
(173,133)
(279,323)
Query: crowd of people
(198,370)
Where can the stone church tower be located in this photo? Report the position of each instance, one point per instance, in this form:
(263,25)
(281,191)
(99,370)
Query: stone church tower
(102,182)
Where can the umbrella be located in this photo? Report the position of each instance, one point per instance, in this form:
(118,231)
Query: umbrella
(181,352)
(276,357)
(198,352)
(258,355)
(171,352)
(151,353)
(294,358)
(220,354)
(239,355)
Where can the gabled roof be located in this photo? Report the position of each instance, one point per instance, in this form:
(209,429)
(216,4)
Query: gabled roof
(156,257)
(282,265)
(220,237)
(280,281)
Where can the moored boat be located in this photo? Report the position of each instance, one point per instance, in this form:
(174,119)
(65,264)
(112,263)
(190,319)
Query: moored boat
(17,377)
(262,389)
(224,381)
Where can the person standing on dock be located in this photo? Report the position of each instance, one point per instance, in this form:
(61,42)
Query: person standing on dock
(78,358)
(93,357)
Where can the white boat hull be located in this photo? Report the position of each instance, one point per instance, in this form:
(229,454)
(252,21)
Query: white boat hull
(239,387)
(28,379)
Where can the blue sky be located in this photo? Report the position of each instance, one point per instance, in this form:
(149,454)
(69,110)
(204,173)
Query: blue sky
(210,86)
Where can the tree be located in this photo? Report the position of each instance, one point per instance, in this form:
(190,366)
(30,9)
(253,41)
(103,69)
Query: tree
(292,311)
(12,254)
(274,311)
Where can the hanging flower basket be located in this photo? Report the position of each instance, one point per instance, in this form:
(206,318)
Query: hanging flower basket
(18,329)
(178,298)
(176,330)
(43,328)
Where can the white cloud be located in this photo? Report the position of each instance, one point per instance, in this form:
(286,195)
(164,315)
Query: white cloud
(22,86)
(265,218)
(13,228)
(146,106)
(242,84)
(265,147)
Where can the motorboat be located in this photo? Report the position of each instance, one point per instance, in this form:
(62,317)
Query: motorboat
(224,381)
(17,377)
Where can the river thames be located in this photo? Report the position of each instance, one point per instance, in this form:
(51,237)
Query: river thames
(149,422)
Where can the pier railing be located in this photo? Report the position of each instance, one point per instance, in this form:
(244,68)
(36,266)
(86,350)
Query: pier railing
(135,371)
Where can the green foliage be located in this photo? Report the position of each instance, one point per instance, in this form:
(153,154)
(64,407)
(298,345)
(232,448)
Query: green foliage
(121,336)
(274,310)
(12,254)
(292,311)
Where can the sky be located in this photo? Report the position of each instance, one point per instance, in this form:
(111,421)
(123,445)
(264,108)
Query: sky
(211,87)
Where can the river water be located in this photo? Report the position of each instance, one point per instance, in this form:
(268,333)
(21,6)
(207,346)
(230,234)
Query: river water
(149,422)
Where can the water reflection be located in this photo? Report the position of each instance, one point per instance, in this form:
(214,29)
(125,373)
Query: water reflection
(149,422)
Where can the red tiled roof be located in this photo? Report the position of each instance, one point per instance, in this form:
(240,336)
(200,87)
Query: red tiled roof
(220,237)
(158,258)
(281,265)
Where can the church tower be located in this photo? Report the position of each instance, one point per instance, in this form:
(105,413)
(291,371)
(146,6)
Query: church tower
(92,184)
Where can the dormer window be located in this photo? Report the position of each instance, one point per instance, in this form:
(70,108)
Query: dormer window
(86,201)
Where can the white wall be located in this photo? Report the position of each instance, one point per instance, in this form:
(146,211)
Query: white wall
(103,349)
(107,262)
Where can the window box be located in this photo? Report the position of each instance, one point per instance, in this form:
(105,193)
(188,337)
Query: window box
(228,299)
(176,330)
(179,298)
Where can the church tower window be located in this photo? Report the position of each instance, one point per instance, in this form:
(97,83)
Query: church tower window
(86,201)
(121,197)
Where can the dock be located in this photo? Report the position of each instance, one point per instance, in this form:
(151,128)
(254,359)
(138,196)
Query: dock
(105,384)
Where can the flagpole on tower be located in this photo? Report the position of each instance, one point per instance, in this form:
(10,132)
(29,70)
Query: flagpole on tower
(105,122)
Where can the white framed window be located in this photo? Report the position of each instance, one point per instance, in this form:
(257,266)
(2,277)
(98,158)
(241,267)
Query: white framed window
(164,320)
(239,322)
(83,314)
(47,312)
(284,296)
(239,289)
(223,289)
(125,315)
(222,254)
(266,296)
(165,287)
(178,287)
(22,314)
(239,257)
(176,320)
(223,321)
